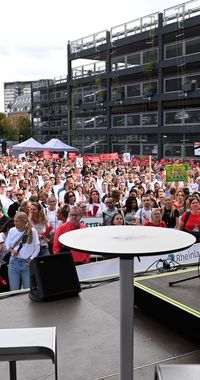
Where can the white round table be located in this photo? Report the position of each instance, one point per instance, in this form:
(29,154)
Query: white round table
(126,242)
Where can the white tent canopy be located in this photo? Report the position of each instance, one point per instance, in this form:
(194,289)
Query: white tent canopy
(56,145)
(30,144)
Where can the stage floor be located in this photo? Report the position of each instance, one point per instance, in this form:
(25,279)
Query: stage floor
(88,337)
(185,293)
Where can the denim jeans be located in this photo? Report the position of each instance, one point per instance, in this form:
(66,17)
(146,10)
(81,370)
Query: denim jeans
(18,273)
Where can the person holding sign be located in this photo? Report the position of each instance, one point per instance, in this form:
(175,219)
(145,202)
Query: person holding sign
(95,207)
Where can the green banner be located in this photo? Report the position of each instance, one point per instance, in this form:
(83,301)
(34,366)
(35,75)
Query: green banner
(175,173)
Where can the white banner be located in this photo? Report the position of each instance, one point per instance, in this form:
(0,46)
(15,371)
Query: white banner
(79,162)
(127,157)
(107,269)
(92,222)
(197,148)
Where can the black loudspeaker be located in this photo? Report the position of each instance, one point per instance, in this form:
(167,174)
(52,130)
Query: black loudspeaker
(53,277)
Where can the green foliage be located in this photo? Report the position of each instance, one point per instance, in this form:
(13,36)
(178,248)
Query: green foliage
(7,131)
(24,127)
(187,81)
(98,80)
(149,67)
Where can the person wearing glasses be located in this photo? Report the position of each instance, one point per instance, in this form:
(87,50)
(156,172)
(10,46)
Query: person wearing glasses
(75,216)
(14,207)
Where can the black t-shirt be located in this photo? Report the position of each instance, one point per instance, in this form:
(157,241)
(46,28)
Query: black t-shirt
(170,220)
(13,208)
(3,220)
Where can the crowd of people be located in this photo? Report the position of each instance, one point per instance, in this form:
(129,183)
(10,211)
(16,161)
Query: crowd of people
(40,199)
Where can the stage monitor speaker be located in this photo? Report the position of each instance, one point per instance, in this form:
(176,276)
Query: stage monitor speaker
(53,277)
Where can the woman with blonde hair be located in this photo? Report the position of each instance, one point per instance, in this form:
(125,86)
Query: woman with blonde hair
(23,243)
(155,219)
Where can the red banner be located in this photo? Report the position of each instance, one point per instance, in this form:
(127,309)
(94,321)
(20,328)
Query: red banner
(72,155)
(96,159)
(47,154)
(55,156)
(109,156)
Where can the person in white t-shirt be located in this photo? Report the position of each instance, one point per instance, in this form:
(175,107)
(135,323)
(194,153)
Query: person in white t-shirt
(143,214)
(23,244)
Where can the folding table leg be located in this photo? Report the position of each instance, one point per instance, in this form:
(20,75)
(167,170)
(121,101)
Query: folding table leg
(13,370)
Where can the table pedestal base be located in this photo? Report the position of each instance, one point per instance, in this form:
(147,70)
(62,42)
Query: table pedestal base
(126,318)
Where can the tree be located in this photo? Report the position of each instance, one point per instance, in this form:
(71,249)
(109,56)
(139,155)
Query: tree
(7,131)
(24,128)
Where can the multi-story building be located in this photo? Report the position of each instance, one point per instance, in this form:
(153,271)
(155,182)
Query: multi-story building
(141,91)
(49,110)
(14,89)
(138,92)
(20,108)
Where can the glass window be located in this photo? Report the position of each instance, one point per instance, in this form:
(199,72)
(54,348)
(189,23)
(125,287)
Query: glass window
(118,93)
(79,122)
(195,78)
(189,150)
(88,98)
(118,121)
(172,151)
(133,120)
(149,88)
(133,60)
(118,63)
(149,150)
(174,84)
(192,46)
(89,123)
(193,117)
(150,119)
(117,148)
(172,118)
(150,55)
(133,90)
(173,50)
(122,138)
(101,122)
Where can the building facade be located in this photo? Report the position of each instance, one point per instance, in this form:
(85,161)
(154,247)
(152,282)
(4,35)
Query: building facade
(49,110)
(141,91)
(138,91)
(14,89)
(20,108)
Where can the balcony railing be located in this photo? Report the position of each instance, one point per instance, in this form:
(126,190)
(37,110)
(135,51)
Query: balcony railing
(181,12)
(139,25)
(94,68)
(88,42)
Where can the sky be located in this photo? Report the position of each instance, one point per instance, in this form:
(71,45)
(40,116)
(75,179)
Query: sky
(34,33)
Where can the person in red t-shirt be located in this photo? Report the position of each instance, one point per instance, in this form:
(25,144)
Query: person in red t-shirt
(156,219)
(75,215)
(192,223)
